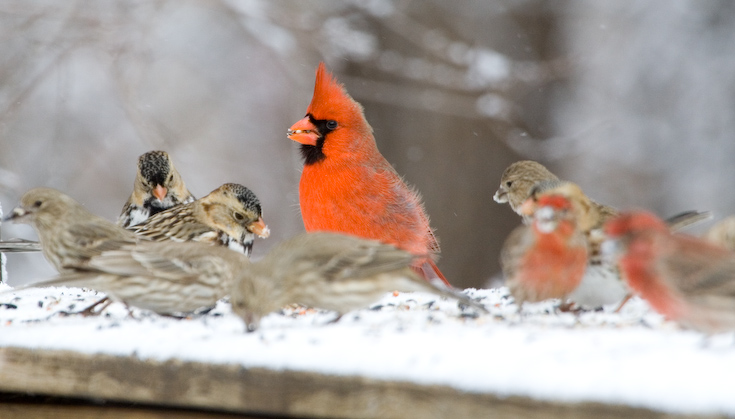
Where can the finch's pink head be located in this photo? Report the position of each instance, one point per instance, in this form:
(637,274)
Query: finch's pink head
(553,201)
(557,202)
(634,222)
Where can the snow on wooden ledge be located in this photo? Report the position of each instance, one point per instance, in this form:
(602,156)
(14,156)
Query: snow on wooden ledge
(412,355)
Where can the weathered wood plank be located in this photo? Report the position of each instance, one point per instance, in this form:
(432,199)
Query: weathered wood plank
(261,391)
(51,410)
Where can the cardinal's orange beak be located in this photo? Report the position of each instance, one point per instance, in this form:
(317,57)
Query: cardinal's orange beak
(528,207)
(160,192)
(260,228)
(304,132)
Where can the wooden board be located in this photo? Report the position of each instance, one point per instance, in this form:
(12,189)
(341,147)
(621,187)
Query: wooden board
(257,391)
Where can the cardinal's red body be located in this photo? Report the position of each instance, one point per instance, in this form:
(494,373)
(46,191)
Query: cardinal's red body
(347,186)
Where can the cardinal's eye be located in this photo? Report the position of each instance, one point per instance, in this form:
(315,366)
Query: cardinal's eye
(37,204)
(331,124)
(239,216)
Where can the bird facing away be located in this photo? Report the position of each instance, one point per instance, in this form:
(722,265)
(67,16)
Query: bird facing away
(168,278)
(68,233)
(330,271)
(687,279)
(547,258)
(229,216)
(518,179)
(158,186)
(348,187)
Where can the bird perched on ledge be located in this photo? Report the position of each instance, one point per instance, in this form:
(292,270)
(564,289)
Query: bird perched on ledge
(168,278)
(229,216)
(547,258)
(158,186)
(687,279)
(330,271)
(69,234)
(348,187)
(517,180)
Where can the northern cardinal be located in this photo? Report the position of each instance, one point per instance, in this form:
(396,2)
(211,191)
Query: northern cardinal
(229,216)
(158,186)
(348,187)
(687,279)
(547,258)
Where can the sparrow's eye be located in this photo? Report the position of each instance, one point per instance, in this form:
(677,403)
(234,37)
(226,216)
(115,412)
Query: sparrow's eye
(238,216)
(37,204)
(509,183)
(331,124)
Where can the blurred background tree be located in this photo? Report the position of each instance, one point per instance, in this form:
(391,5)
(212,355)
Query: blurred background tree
(634,101)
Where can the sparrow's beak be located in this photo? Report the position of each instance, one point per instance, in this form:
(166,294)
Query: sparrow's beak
(304,132)
(160,192)
(16,215)
(259,228)
(501,196)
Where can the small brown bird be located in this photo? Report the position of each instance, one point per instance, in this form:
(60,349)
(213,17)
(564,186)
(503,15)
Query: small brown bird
(517,181)
(168,278)
(685,278)
(229,216)
(69,234)
(158,186)
(327,270)
(547,258)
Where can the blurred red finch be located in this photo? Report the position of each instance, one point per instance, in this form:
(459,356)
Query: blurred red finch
(330,271)
(601,284)
(547,258)
(348,187)
(158,186)
(682,277)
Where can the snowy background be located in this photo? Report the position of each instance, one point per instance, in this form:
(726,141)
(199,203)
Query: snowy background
(633,358)
(633,100)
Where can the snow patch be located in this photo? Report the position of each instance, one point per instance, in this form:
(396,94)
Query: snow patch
(634,357)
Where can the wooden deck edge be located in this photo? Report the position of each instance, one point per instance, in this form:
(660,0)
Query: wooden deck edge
(234,388)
